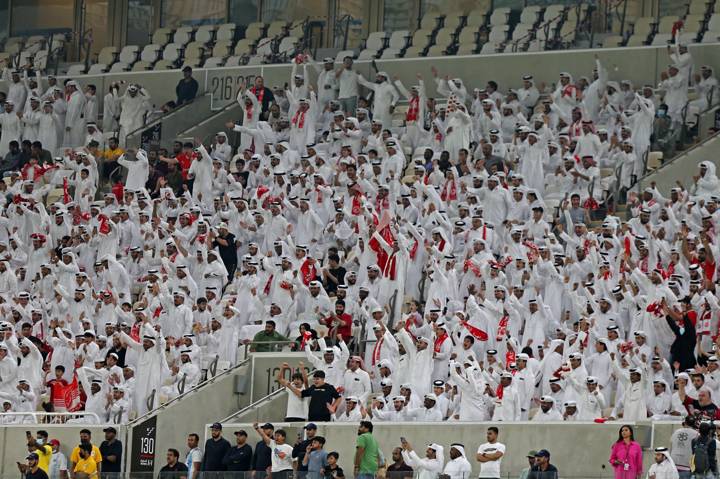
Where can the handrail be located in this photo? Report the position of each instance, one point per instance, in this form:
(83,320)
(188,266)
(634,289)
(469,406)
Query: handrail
(250,406)
(677,157)
(178,109)
(197,387)
(36,414)
(250,344)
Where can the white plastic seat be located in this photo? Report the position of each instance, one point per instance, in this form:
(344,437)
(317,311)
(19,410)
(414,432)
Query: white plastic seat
(476,18)
(287,46)
(535,46)
(276,28)
(222,48)
(612,41)
(429,21)
(225,32)
(255,31)
(489,48)
(265,46)
(697,7)
(436,51)
(467,35)
(530,14)
(644,26)
(499,16)
(256,60)
(453,20)
(162,36)
(413,52)
(666,24)
(243,47)
(376,41)
(687,38)
(164,65)
(694,23)
(466,49)
(553,11)
(40,60)
(34,44)
(141,66)
(714,23)
(342,54)
(636,40)
(150,53)
(129,54)
(194,50)
(234,61)
(192,63)
(367,54)
(711,37)
(568,32)
(661,39)
(521,31)
(172,52)
(499,33)
(108,55)
(77,69)
(445,37)
(421,38)
(214,62)
(99,68)
(205,33)
(399,39)
(297,29)
(390,53)
(116,67)
(183,35)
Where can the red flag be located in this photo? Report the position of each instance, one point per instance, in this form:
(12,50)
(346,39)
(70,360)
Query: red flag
(118,190)
(71,395)
(626,243)
(474,331)
(308,271)
(66,195)
(104,226)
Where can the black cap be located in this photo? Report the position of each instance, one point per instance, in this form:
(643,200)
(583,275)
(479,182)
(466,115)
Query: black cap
(216,425)
(267,425)
(311,425)
(110,429)
(542,453)
(32,455)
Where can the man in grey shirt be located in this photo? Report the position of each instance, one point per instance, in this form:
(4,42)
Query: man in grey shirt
(681,447)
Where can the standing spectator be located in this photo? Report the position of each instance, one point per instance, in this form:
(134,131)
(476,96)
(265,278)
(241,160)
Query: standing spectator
(315,459)
(239,457)
(111,451)
(262,458)
(366,452)
(264,96)
(704,452)
(333,471)
(194,456)
(626,455)
(281,453)
(215,449)
(224,241)
(187,87)
(268,335)
(348,93)
(531,462)
(542,468)
(86,466)
(85,440)
(490,454)
(58,462)
(39,445)
(174,469)
(663,467)
(301,445)
(681,447)
(398,469)
(32,469)
(458,466)
(324,398)
(428,467)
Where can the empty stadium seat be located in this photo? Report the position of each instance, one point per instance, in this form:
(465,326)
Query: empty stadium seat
(172,52)
(233,61)
(694,23)
(244,47)
(116,67)
(183,35)
(288,46)
(222,48)
(77,69)
(367,54)
(376,41)
(194,50)
(489,47)
(445,37)
(255,31)
(96,69)
(129,54)
(521,31)
(500,16)
(436,51)
(644,26)
(34,44)
(687,38)
(414,52)
(530,15)
(390,53)
(214,62)
(150,53)
(553,11)
(164,65)
(714,23)
(421,38)
(192,63)
(636,40)
(698,7)
(265,46)
(297,29)
(499,33)
(108,55)
(205,33)
(468,35)
(476,18)
(40,60)
(453,20)
(429,21)
(398,39)
(612,41)
(141,66)
(256,60)
(276,28)
(661,39)
(466,48)
(666,24)
(225,32)
(162,36)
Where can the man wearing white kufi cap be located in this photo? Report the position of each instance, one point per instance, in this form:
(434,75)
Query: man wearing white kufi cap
(458,467)
(428,467)
(386,96)
(119,406)
(664,466)
(591,401)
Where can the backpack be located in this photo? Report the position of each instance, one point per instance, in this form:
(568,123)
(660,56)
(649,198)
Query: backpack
(700,460)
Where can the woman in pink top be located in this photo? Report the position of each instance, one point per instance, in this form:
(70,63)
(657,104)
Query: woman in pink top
(626,455)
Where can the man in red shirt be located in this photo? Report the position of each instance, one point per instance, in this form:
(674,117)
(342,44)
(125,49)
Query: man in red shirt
(340,322)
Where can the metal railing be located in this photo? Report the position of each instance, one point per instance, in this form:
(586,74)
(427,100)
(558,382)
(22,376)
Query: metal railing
(39,417)
(251,406)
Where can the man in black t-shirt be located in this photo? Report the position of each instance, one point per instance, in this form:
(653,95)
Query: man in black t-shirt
(239,457)
(32,470)
(174,469)
(324,398)
(111,452)
(224,241)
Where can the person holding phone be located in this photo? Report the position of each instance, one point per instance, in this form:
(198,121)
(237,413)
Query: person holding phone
(281,465)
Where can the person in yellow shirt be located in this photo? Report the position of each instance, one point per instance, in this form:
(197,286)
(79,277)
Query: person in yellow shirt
(86,467)
(39,445)
(110,156)
(85,438)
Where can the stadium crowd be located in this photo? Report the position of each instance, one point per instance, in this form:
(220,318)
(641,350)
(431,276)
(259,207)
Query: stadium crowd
(320,229)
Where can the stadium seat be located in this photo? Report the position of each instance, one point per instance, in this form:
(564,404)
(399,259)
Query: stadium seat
(225,32)
(288,46)
(530,14)
(243,47)
(498,34)
(162,36)
(214,62)
(500,16)
(194,50)
(466,49)
(698,7)
(376,41)
(108,55)
(661,39)
(233,61)
(468,35)
(183,35)
(192,63)
(711,37)
(399,39)
(390,53)
(694,23)
(99,68)
(553,11)
(222,48)
(297,29)
(435,51)
(141,66)
(256,60)
(34,44)
(150,53)
(687,38)
(40,60)
(115,68)
(716,8)
(129,54)
(489,47)
(172,52)
(421,38)
(429,21)
(536,45)
(636,41)
(453,20)
(164,65)
(367,54)
(255,31)
(521,32)
(445,37)
(714,23)
(265,46)
(568,32)
(644,26)
(77,69)
(666,24)
(414,52)
(205,33)
(612,41)
(476,18)
(276,28)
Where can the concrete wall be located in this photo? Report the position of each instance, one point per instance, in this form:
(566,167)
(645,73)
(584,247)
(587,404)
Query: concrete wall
(578,449)
(684,167)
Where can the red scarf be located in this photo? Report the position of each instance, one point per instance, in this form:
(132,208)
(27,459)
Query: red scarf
(104,226)
(266,290)
(476,333)
(499,392)
(299,119)
(414,249)
(502,328)
(376,351)
(413,110)
(319,195)
(439,341)
(356,207)
(382,204)
(509,358)
(449,195)
(308,271)
(470,265)
(260,95)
